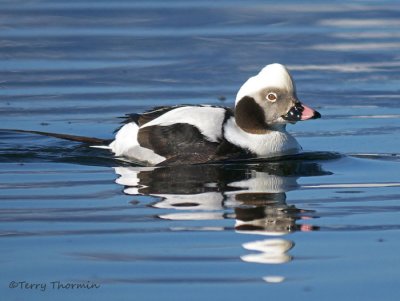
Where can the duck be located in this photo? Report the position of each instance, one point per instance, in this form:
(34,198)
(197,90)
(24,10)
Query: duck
(195,134)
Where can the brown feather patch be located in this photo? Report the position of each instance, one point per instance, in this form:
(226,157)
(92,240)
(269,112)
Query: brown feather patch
(250,117)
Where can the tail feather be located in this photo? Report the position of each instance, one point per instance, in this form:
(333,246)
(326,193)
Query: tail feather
(88,140)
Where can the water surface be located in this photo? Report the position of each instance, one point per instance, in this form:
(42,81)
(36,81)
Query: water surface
(318,227)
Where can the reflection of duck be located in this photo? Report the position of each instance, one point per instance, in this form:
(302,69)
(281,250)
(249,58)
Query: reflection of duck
(268,214)
(255,192)
(271,251)
(198,134)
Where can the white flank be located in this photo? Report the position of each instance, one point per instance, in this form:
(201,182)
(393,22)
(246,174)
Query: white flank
(126,145)
(206,118)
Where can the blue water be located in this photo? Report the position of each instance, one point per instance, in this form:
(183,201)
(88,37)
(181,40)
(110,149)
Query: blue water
(324,226)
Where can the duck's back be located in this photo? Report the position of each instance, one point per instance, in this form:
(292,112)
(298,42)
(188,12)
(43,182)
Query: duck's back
(190,134)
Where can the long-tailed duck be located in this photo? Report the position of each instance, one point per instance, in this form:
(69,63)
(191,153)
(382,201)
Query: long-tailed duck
(203,133)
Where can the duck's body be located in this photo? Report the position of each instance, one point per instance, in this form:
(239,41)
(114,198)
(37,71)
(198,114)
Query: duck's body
(198,134)
(195,134)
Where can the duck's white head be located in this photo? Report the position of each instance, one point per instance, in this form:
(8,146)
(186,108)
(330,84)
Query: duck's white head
(269,99)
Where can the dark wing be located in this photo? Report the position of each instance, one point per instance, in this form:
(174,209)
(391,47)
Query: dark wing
(179,143)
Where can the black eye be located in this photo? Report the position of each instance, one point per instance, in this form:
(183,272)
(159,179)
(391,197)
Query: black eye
(272,97)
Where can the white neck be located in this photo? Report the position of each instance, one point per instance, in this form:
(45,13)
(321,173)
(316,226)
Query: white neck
(277,142)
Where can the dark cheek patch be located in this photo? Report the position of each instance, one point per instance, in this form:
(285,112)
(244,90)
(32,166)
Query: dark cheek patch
(250,117)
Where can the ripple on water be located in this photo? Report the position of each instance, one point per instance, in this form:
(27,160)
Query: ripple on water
(293,227)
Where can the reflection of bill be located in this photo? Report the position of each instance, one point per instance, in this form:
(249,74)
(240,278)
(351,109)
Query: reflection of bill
(255,193)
